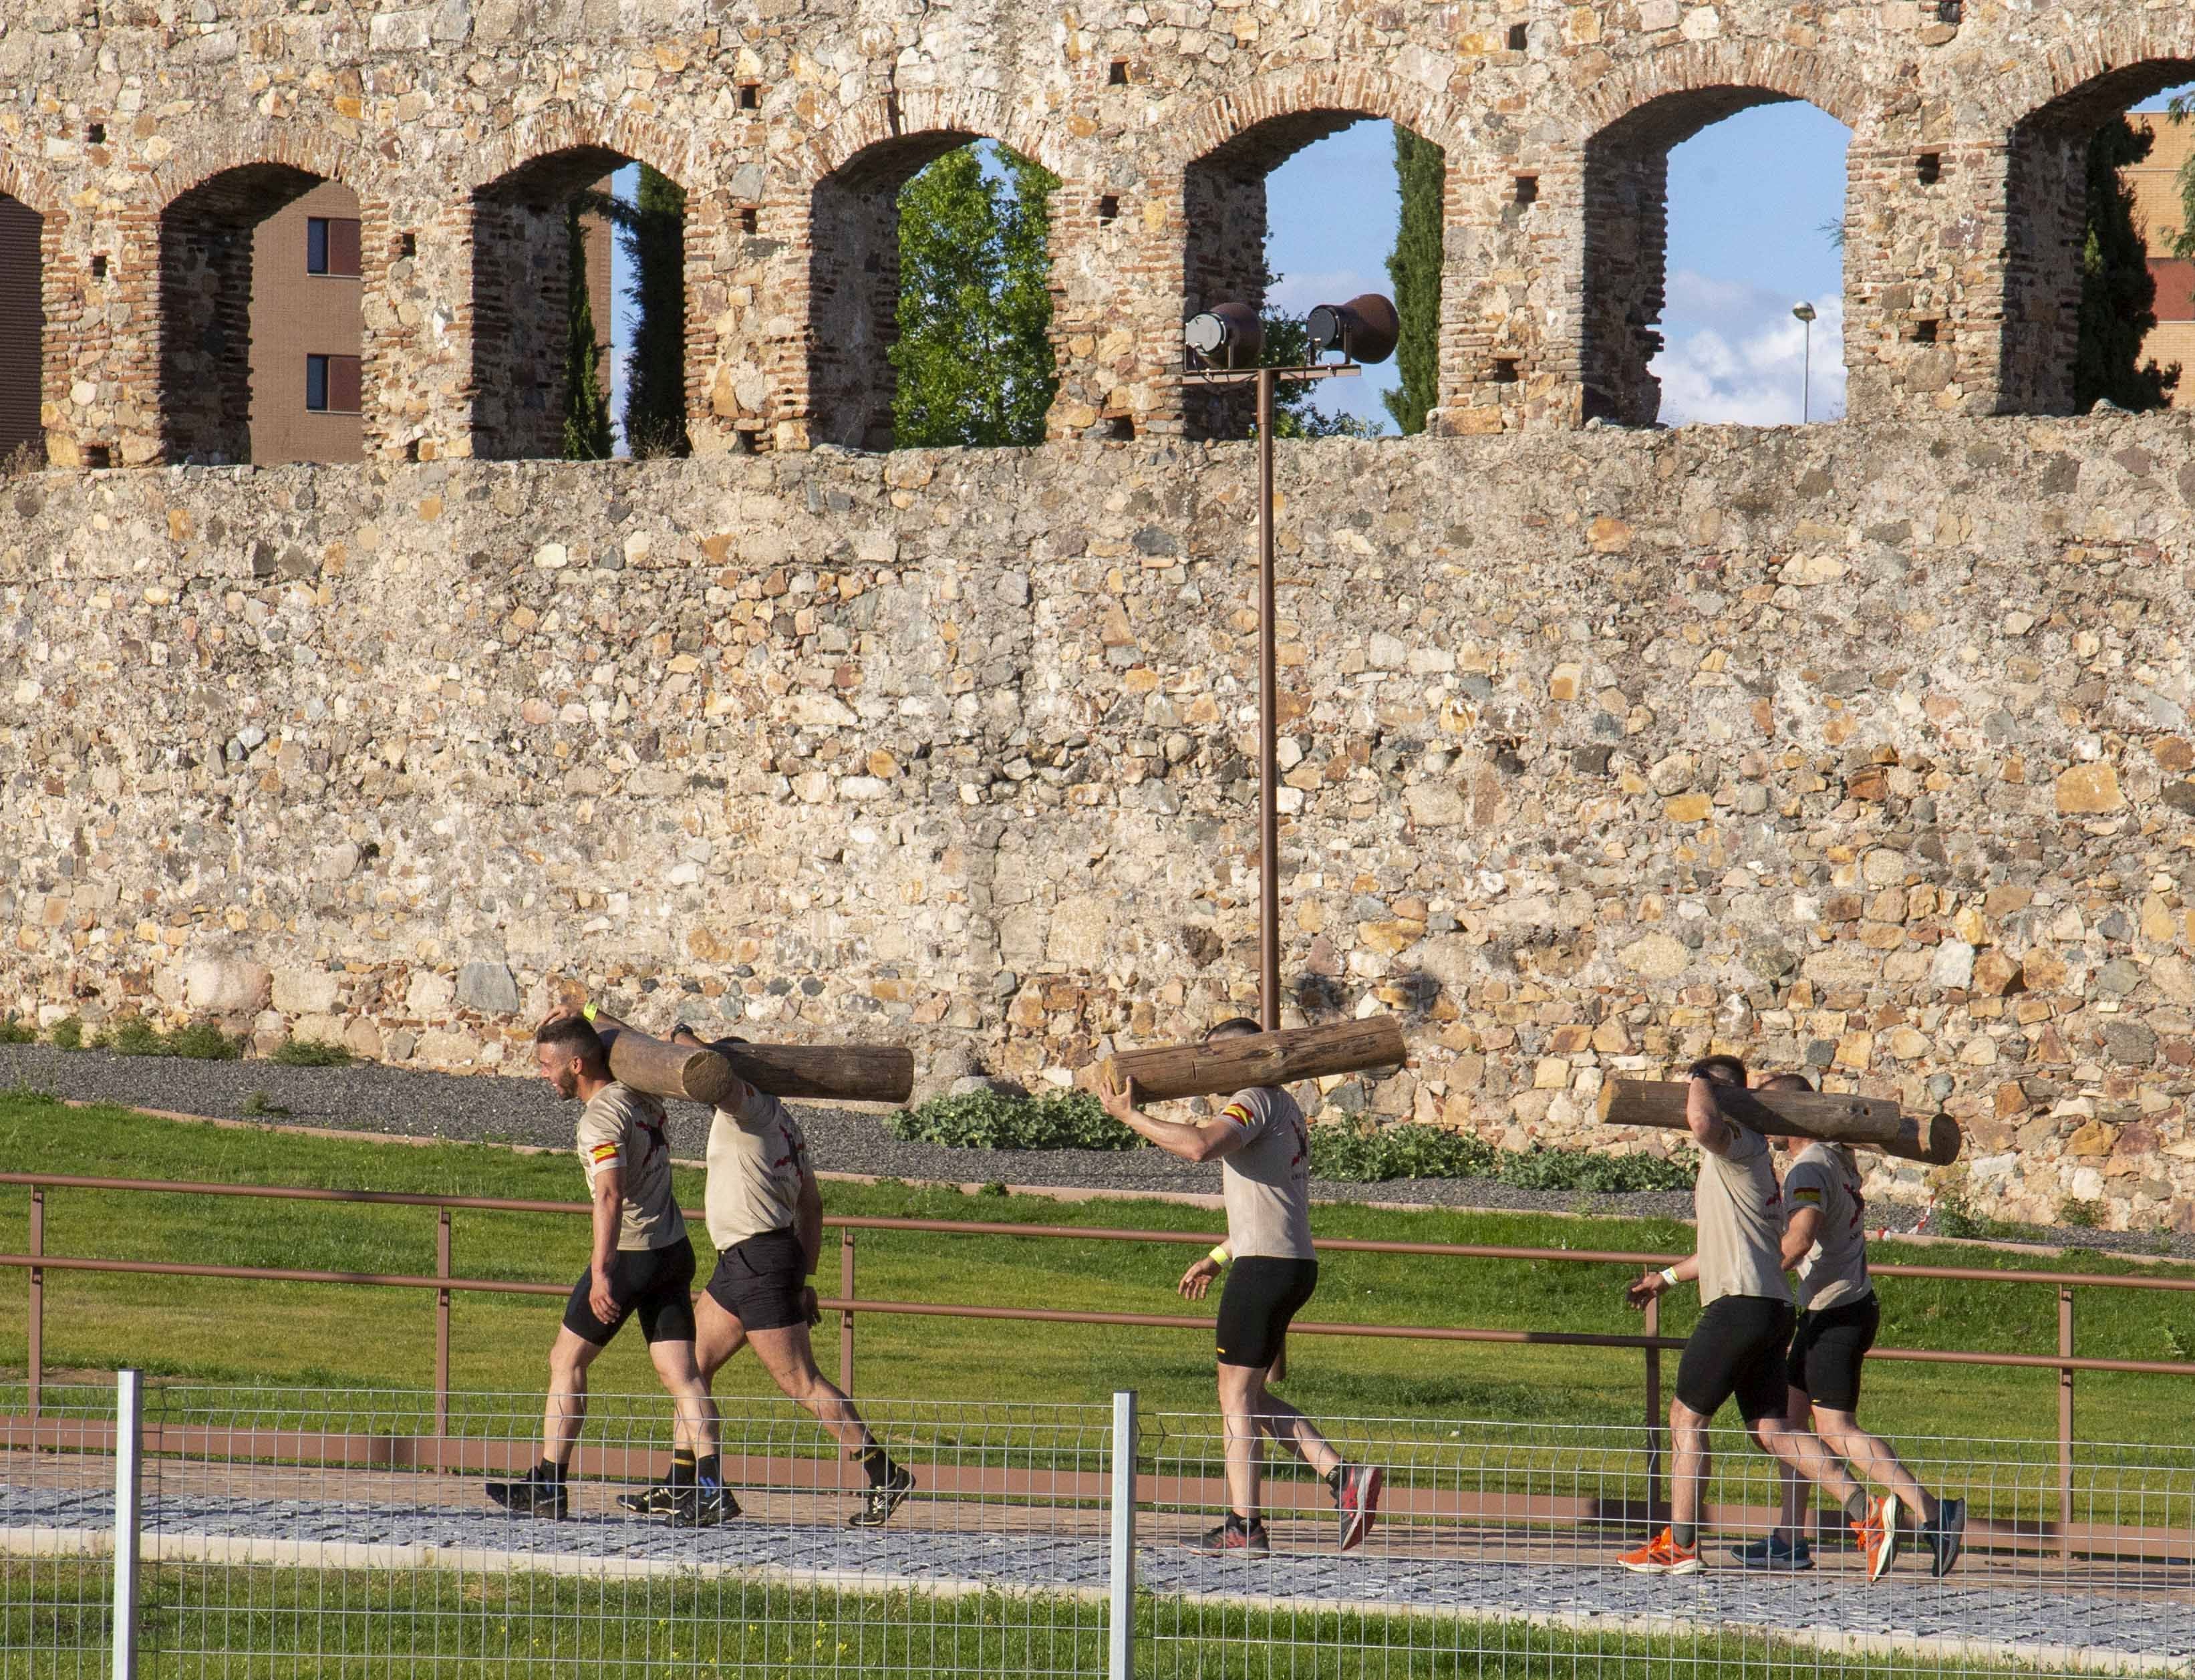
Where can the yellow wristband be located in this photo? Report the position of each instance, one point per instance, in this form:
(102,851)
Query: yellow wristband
(586,1012)
(1219,1256)
(1669,1275)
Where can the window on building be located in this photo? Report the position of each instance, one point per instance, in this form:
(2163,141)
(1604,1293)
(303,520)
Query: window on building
(332,384)
(332,247)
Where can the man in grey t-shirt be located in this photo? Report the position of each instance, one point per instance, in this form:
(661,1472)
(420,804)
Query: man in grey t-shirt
(1263,1145)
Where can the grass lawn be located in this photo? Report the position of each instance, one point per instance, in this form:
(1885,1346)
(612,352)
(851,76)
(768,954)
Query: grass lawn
(358,1338)
(260,1624)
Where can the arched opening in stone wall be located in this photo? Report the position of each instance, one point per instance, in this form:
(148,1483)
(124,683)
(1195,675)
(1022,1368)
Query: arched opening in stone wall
(1696,256)
(929,299)
(2098,304)
(22,324)
(261,353)
(1333,184)
(551,326)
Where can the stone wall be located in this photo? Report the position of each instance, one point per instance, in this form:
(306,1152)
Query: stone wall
(790,124)
(1863,748)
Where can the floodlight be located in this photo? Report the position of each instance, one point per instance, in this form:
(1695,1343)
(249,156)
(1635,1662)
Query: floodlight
(1364,329)
(1225,337)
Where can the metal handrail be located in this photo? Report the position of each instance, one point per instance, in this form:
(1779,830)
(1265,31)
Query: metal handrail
(847,1303)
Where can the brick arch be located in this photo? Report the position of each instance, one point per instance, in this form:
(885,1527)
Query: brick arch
(1295,99)
(306,149)
(929,120)
(567,128)
(2085,81)
(1765,70)
(22,180)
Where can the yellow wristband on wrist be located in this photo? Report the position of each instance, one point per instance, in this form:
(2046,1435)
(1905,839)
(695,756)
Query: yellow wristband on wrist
(1669,1276)
(1219,1256)
(586,1012)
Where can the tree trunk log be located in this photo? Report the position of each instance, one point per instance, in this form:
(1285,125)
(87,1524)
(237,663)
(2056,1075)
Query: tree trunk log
(820,1072)
(1266,1059)
(1864,1123)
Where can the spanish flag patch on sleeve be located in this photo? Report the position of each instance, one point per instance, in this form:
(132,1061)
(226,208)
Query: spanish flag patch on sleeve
(1239,1113)
(603,1154)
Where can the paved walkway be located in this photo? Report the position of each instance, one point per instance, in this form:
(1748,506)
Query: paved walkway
(2145,1621)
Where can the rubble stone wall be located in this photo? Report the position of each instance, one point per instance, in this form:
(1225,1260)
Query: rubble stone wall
(790,124)
(1861,748)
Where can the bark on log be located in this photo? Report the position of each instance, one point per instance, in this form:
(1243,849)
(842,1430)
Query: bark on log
(1175,1071)
(1864,1123)
(821,1073)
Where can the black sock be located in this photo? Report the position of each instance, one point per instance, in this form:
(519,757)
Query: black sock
(1856,1507)
(1333,1479)
(546,1471)
(1687,1535)
(681,1467)
(711,1471)
(875,1461)
(1244,1525)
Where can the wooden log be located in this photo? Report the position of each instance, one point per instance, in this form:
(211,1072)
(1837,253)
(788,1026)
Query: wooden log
(818,1072)
(1864,1123)
(1173,1070)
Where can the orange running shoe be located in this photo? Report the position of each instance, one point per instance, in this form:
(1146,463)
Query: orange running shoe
(1878,1537)
(1662,1556)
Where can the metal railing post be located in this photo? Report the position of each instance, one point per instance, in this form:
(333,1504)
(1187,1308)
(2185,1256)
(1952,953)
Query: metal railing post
(846,1315)
(441,1325)
(1120,1606)
(1653,1413)
(2064,1422)
(38,1357)
(129,1440)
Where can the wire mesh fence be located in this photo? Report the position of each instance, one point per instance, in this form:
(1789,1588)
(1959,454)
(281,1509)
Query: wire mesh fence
(292,1532)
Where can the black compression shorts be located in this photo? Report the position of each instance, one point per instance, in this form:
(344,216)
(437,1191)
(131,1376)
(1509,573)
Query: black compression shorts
(1737,1348)
(658,1284)
(1263,1293)
(760,1281)
(1827,1350)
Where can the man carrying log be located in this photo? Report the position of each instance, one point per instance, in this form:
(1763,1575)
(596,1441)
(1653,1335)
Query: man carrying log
(642,1265)
(1263,1145)
(1825,1238)
(1738,1346)
(765,1216)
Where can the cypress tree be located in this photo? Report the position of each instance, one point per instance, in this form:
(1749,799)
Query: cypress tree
(654,229)
(1421,171)
(587,408)
(2118,299)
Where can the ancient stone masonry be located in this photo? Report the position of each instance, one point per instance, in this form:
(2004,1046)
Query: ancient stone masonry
(1863,748)
(144,133)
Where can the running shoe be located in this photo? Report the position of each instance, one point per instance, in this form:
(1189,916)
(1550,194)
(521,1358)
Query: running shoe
(533,1494)
(1878,1537)
(1233,1537)
(881,1499)
(1356,1498)
(1662,1556)
(704,1507)
(1946,1536)
(1774,1553)
(660,1500)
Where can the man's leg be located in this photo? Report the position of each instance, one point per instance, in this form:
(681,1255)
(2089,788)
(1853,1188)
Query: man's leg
(1874,1458)
(1791,1527)
(717,1335)
(696,1412)
(1691,1463)
(565,1410)
(1242,1398)
(789,1356)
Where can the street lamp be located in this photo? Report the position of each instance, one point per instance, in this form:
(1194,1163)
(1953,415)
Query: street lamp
(1222,347)
(1805,312)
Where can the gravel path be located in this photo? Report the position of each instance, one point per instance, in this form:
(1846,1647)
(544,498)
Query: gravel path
(2034,1619)
(494,1109)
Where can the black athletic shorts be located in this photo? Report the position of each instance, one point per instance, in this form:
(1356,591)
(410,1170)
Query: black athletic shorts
(658,1284)
(759,1281)
(1262,1294)
(1737,1348)
(1827,1349)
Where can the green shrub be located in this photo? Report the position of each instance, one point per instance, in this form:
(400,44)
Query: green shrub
(30,1096)
(990,1120)
(199,1042)
(2081,1216)
(312,1052)
(1360,1155)
(256,1105)
(68,1033)
(1591,1170)
(13,1031)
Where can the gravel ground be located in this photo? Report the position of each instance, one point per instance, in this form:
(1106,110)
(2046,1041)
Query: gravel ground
(493,1109)
(2026,1616)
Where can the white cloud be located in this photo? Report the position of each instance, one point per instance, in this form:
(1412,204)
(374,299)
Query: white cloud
(1735,355)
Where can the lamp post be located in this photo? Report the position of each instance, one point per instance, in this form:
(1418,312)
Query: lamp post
(1805,312)
(1224,346)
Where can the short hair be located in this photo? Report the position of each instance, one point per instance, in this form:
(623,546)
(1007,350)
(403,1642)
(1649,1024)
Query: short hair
(1237,1026)
(1731,1069)
(578,1033)
(1787,1081)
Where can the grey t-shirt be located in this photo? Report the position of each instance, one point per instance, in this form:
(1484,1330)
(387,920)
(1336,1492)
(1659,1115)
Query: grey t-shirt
(1268,1179)
(623,1127)
(757,1156)
(1741,1216)
(1834,1273)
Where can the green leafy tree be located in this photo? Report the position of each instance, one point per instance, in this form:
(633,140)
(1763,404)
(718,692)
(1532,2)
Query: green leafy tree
(1287,344)
(654,229)
(1421,171)
(587,407)
(974,361)
(2118,297)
